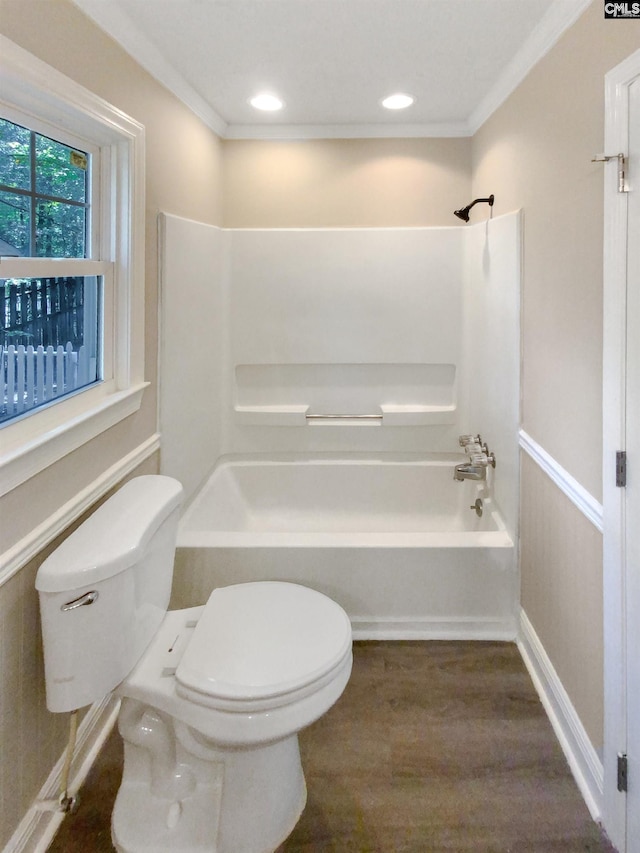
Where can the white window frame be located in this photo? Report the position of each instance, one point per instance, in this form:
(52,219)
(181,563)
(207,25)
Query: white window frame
(33,90)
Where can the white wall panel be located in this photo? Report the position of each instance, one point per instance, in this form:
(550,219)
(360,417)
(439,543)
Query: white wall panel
(490,365)
(193,333)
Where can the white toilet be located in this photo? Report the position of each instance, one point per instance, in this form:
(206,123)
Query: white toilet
(212,697)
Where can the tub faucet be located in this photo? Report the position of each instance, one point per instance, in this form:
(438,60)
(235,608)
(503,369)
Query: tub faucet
(480,457)
(469,471)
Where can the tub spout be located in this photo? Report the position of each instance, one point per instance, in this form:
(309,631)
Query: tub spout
(467,471)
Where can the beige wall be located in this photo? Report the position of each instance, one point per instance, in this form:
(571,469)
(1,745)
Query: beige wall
(183,176)
(535,152)
(345,183)
(561,590)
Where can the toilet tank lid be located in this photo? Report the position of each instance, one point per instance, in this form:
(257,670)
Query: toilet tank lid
(114,537)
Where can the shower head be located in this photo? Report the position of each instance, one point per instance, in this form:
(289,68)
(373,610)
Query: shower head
(463,213)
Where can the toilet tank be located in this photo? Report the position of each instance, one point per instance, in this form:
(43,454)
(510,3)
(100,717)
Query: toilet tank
(105,591)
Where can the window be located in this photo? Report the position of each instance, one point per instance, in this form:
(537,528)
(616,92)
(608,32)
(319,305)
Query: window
(50,327)
(71,265)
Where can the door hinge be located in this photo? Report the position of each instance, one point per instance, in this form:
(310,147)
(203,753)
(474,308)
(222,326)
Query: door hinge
(622,772)
(621,468)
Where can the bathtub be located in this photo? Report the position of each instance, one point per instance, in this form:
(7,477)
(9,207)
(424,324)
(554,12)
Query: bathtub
(393,539)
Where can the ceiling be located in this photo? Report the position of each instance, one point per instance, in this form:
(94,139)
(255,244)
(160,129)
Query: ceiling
(332,61)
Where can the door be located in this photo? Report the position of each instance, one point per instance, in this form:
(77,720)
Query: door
(621,429)
(632,526)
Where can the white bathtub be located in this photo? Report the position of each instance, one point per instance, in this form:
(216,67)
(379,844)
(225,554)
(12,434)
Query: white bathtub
(393,539)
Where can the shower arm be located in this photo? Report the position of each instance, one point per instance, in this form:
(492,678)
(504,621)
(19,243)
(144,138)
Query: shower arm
(490,201)
(463,213)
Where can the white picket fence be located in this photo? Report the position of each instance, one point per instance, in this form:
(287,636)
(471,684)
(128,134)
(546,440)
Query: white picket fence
(36,375)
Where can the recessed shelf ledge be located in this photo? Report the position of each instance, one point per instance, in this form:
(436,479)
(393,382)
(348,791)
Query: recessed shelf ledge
(388,415)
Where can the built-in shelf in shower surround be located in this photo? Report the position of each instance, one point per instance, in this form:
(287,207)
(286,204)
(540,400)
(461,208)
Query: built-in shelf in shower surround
(302,416)
(376,394)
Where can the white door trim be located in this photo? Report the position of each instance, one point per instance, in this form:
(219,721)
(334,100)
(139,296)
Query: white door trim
(617,82)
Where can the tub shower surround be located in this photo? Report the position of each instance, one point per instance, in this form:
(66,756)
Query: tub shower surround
(334,371)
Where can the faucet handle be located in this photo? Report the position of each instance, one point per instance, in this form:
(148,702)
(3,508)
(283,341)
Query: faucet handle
(463,440)
(481,457)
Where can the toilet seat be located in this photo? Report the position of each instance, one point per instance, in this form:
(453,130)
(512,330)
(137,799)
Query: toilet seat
(261,645)
(282,709)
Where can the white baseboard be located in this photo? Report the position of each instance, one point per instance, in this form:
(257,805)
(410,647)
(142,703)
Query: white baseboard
(434,629)
(39,825)
(584,761)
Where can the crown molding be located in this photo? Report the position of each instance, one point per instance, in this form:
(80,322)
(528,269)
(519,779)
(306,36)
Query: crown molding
(557,20)
(345,131)
(119,26)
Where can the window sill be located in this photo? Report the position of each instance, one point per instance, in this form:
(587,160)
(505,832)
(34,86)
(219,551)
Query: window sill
(32,455)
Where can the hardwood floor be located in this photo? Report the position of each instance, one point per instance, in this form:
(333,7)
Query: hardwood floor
(433,747)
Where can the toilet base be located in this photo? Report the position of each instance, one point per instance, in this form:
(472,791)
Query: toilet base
(181,793)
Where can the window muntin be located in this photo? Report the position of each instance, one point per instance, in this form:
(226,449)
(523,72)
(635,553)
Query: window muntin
(44,195)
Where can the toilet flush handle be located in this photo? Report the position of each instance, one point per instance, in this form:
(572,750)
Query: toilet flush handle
(87,598)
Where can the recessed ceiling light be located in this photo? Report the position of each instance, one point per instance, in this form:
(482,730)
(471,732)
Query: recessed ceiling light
(398,101)
(267,102)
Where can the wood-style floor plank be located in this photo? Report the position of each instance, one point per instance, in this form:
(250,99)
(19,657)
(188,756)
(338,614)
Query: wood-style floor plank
(434,747)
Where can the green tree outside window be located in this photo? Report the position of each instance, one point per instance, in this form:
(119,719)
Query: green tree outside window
(44,203)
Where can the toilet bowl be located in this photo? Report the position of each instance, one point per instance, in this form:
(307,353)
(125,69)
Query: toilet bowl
(225,689)
(213,697)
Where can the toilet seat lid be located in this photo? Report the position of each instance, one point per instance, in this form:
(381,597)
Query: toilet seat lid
(264,639)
